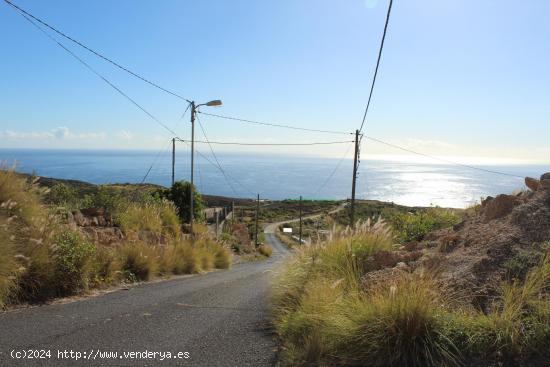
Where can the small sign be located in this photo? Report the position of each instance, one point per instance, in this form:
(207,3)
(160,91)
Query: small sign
(287,230)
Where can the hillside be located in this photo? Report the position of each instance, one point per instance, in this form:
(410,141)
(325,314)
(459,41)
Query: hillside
(476,293)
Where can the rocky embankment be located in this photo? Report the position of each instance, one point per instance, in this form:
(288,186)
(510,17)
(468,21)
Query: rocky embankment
(501,240)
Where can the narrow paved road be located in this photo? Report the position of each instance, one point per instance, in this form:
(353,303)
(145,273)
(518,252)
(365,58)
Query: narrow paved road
(219,318)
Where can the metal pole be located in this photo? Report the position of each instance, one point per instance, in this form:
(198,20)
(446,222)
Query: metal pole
(193,111)
(173,159)
(354,179)
(257,215)
(300,220)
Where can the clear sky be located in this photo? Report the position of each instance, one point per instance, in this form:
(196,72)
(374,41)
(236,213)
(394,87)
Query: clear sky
(464,78)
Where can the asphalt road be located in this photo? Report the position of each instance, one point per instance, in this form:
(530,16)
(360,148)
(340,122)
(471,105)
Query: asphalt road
(218,318)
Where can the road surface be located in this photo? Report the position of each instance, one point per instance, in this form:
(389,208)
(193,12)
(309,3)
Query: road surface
(218,318)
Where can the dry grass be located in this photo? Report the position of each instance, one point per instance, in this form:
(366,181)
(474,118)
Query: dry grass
(265,250)
(325,314)
(41,258)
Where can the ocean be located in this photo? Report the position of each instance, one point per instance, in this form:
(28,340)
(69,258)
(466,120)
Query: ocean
(280,177)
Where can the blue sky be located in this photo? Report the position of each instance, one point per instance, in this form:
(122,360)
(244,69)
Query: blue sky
(465,79)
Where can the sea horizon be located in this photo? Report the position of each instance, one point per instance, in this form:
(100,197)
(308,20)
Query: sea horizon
(278,176)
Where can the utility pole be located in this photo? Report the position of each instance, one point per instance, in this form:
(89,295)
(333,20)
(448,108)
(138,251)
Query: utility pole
(194,107)
(217,222)
(256,220)
(173,159)
(191,212)
(354,180)
(232,213)
(300,220)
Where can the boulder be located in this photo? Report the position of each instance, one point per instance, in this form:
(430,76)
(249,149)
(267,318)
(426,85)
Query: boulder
(500,206)
(93,212)
(545,176)
(545,184)
(532,183)
(79,219)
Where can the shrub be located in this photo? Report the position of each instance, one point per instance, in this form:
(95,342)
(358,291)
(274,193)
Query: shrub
(71,256)
(138,261)
(180,258)
(179,194)
(61,194)
(414,226)
(138,217)
(8,266)
(103,266)
(265,250)
(222,258)
(158,217)
(109,198)
(206,258)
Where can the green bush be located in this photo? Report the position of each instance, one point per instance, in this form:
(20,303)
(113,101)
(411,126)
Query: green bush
(414,226)
(63,195)
(179,194)
(72,255)
(109,198)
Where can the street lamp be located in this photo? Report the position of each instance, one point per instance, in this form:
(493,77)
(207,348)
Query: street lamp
(213,103)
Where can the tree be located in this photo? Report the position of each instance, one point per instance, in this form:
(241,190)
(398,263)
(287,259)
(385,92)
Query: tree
(179,195)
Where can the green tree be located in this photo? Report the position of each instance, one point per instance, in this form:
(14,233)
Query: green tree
(179,195)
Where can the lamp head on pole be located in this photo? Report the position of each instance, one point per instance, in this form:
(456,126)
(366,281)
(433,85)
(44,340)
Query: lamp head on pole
(214,103)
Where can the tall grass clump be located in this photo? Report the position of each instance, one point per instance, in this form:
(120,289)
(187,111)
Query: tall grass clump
(222,257)
(265,250)
(326,312)
(9,267)
(138,261)
(158,217)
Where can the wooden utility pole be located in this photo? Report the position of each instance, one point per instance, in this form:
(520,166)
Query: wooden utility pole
(256,220)
(191,212)
(232,213)
(354,180)
(300,220)
(173,160)
(217,222)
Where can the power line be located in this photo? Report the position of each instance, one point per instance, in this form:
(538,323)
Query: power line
(322,186)
(213,164)
(155,161)
(268,144)
(274,125)
(24,12)
(98,74)
(442,159)
(377,64)
(215,157)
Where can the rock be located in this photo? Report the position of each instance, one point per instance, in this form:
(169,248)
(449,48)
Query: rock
(101,221)
(79,219)
(545,184)
(486,201)
(545,176)
(402,266)
(532,183)
(94,222)
(500,206)
(93,212)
